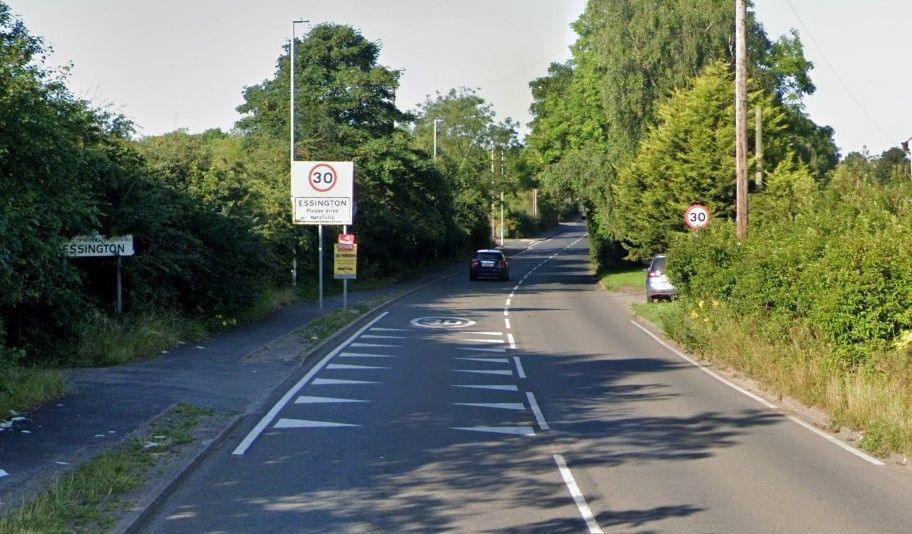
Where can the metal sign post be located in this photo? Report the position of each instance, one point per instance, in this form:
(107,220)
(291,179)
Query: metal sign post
(320,231)
(345,280)
(96,246)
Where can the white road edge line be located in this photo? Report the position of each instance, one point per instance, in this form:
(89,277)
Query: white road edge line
(519,368)
(539,416)
(272,413)
(511,341)
(577,495)
(866,457)
(705,369)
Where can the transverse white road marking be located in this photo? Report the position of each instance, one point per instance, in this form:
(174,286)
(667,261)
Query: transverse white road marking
(277,407)
(519,367)
(539,417)
(347,366)
(381,345)
(485,333)
(364,355)
(515,430)
(482,349)
(577,495)
(382,329)
(305,423)
(491,360)
(485,371)
(511,341)
(336,382)
(304,399)
(504,387)
(498,405)
(480,340)
(866,457)
(380,336)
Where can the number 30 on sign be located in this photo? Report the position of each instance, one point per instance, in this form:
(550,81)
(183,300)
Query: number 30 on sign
(696,217)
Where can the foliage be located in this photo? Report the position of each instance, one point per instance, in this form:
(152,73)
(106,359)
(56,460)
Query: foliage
(630,58)
(688,157)
(466,135)
(839,260)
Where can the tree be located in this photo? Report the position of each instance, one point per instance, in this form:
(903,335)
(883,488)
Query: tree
(688,157)
(466,134)
(343,97)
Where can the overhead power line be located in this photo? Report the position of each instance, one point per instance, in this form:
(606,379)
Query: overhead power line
(848,91)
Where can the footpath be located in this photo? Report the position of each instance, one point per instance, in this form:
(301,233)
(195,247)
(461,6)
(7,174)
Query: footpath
(231,371)
(227,372)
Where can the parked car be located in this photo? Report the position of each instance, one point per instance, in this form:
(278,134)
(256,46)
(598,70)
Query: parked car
(658,285)
(489,264)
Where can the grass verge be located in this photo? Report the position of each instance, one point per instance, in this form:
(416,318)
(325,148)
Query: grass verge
(875,399)
(623,278)
(326,325)
(89,498)
(24,388)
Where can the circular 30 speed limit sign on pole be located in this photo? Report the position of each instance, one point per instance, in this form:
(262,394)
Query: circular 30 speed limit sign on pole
(696,217)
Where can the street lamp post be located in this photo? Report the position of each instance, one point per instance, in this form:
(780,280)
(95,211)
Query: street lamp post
(436,121)
(908,151)
(291,97)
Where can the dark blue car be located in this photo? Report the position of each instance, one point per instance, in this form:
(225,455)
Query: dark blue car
(489,264)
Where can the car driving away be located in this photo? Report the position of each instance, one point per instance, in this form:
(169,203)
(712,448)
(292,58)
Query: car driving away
(658,285)
(489,263)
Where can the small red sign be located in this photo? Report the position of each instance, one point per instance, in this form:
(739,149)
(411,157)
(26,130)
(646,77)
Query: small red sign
(346,241)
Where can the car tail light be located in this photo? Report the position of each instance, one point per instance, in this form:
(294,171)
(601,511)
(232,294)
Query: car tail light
(655,274)
(474,263)
(503,264)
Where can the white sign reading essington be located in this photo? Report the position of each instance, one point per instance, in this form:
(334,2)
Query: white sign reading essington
(96,246)
(321,192)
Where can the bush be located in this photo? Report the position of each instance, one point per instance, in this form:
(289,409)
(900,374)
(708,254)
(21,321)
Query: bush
(840,261)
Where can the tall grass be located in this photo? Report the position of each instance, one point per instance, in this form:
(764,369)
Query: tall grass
(798,362)
(107,341)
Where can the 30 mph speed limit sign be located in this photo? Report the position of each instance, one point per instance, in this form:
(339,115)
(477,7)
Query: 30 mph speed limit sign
(321,192)
(696,217)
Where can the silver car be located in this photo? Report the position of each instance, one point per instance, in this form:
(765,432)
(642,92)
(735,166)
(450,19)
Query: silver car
(658,285)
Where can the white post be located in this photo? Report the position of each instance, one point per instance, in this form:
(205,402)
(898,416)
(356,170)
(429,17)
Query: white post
(501,220)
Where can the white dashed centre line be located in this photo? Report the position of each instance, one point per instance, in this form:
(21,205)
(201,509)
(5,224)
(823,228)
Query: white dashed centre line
(511,341)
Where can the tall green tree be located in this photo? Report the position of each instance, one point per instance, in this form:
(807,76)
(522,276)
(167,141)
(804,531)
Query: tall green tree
(467,132)
(343,97)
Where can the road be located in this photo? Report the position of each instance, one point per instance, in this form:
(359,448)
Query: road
(553,412)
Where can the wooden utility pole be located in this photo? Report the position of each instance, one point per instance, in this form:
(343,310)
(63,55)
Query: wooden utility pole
(741,117)
(758,144)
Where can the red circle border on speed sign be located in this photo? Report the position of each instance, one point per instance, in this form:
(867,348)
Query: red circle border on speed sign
(331,169)
(692,208)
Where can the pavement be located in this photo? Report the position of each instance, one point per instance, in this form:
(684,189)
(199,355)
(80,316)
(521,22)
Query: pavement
(107,404)
(529,405)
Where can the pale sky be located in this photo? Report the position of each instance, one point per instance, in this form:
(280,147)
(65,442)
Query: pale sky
(182,63)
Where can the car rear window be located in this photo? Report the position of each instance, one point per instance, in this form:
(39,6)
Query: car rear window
(488,256)
(658,264)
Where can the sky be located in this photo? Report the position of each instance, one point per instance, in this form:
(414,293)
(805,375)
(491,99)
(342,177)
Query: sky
(171,64)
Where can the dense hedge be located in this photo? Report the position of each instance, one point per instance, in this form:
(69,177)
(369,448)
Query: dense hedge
(837,257)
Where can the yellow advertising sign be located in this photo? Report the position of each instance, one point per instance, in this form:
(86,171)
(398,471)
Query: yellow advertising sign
(345,266)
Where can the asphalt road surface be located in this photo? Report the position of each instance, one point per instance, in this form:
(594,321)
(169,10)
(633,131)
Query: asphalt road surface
(551,412)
